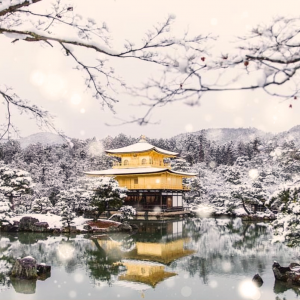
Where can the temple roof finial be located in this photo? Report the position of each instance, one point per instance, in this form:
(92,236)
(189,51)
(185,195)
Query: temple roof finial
(142,139)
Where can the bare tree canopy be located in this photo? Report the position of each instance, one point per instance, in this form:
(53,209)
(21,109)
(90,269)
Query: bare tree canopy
(267,58)
(26,21)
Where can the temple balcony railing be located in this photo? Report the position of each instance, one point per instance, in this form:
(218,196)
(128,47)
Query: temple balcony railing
(117,165)
(158,186)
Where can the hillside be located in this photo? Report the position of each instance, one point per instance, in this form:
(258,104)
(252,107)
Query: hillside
(292,134)
(45,138)
(225,135)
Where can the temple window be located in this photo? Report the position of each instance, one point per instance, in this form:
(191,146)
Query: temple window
(126,162)
(144,161)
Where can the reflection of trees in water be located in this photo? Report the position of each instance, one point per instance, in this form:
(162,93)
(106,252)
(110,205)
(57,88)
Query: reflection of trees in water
(6,262)
(70,252)
(198,265)
(229,246)
(43,247)
(100,266)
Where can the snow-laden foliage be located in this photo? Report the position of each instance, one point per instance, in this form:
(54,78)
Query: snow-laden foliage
(14,184)
(287,225)
(180,164)
(249,181)
(41,205)
(127,212)
(67,216)
(5,210)
(107,195)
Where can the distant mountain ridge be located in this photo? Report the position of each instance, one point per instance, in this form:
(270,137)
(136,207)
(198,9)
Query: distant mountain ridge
(44,138)
(292,134)
(218,135)
(226,135)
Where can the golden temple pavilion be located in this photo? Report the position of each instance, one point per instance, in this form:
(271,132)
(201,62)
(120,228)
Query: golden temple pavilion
(150,181)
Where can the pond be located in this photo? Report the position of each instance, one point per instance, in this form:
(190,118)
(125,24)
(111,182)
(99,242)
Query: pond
(178,259)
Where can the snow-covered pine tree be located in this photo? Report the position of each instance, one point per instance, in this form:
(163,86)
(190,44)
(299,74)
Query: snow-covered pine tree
(127,212)
(67,216)
(108,194)
(5,210)
(196,193)
(41,205)
(180,164)
(14,183)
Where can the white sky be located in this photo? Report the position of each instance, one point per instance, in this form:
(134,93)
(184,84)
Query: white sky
(22,63)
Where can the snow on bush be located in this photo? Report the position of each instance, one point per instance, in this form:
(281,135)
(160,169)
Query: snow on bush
(128,212)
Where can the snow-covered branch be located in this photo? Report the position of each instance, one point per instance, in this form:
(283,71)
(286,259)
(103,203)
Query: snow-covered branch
(268,59)
(43,118)
(22,24)
(10,6)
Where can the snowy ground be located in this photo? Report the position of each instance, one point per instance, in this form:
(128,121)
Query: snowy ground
(54,221)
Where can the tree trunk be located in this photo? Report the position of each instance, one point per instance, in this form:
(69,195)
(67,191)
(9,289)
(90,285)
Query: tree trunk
(12,202)
(244,206)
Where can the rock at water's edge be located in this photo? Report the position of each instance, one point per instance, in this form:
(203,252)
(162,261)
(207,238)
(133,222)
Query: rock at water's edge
(289,274)
(257,280)
(27,223)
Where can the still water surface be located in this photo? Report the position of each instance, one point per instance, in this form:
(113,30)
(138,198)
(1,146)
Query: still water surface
(189,259)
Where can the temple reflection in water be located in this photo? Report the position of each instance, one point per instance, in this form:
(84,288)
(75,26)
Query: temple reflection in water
(147,260)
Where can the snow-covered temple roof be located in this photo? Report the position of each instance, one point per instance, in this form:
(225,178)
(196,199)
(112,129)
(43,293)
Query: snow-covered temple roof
(132,171)
(141,146)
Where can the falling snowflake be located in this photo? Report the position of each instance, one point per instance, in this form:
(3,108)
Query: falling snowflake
(72,294)
(189,128)
(186,291)
(78,277)
(214,22)
(75,99)
(249,290)
(213,284)
(253,174)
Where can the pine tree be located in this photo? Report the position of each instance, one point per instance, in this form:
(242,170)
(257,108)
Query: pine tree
(108,194)
(67,216)
(14,183)
(202,143)
(41,205)
(180,164)
(5,210)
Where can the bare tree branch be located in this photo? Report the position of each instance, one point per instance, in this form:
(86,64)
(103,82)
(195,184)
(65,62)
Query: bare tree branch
(100,78)
(43,118)
(14,7)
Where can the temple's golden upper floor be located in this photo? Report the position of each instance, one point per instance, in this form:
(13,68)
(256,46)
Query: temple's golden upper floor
(141,155)
(142,166)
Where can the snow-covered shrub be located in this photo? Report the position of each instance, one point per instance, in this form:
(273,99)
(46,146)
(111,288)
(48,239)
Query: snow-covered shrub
(128,212)
(67,216)
(5,210)
(41,205)
(287,225)
(14,183)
